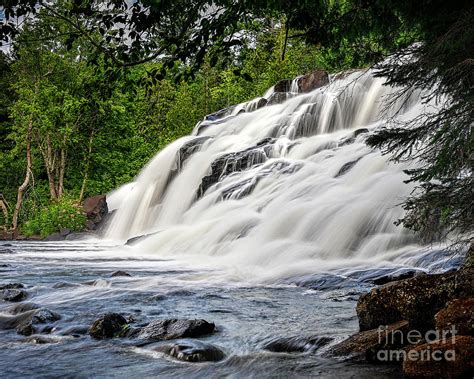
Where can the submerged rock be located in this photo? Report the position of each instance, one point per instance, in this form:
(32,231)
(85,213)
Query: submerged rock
(415,300)
(192,351)
(447,358)
(296,344)
(366,345)
(119,273)
(6,286)
(458,314)
(109,325)
(159,330)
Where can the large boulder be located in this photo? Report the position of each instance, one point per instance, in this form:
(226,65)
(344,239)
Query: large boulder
(416,300)
(160,330)
(367,345)
(192,351)
(109,325)
(313,80)
(96,209)
(33,321)
(13,294)
(446,358)
(282,86)
(458,314)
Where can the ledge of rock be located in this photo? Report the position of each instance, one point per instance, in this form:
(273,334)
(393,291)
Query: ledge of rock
(364,346)
(449,358)
(96,209)
(192,351)
(415,300)
(160,330)
(459,314)
(313,80)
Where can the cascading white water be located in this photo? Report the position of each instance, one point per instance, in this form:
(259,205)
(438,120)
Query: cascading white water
(285,190)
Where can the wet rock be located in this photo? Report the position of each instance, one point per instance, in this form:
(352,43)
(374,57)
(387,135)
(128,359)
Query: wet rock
(4,250)
(394,277)
(296,344)
(283,86)
(6,286)
(346,167)
(360,131)
(312,81)
(13,294)
(159,330)
(109,325)
(192,351)
(447,358)
(96,209)
(120,273)
(277,98)
(365,345)
(235,162)
(459,314)
(415,300)
(189,148)
(36,321)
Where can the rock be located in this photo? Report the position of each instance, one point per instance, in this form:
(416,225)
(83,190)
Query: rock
(360,131)
(13,294)
(109,325)
(313,80)
(394,277)
(189,148)
(277,98)
(159,330)
(119,273)
(283,86)
(6,251)
(11,285)
(192,351)
(346,167)
(367,344)
(459,314)
(235,162)
(415,300)
(464,282)
(296,344)
(32,320)
(447,358)
(96,209)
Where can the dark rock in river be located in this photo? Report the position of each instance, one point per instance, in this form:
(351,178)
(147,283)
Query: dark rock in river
(36,321)
(96,209)
(192,351)
(296,344)
(159,330)
(277,98)
(11,285)
(119,273)
(454,358)
(395,277)
(283,85)
(365,345)
(458,314)
(235,162)
(109,325)
(415,300)
(189,148)
(13,294)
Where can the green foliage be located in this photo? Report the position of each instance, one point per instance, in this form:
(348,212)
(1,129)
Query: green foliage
(55,216)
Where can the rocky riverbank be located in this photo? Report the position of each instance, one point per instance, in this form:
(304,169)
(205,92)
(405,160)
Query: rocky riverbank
(424,323)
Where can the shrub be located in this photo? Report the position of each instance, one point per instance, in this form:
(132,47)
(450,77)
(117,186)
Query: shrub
(62,214)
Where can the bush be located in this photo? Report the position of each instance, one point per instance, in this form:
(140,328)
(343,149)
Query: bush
(62,214)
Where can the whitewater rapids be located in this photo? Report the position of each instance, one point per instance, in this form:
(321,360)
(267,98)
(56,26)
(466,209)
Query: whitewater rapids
(299,191)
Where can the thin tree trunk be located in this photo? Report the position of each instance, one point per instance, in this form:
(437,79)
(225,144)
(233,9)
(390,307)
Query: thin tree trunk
(86,170)
(28,176)
(62,170)
(49,162)
(287,29)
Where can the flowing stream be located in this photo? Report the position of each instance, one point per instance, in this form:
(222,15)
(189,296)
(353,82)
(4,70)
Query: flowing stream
(269,221)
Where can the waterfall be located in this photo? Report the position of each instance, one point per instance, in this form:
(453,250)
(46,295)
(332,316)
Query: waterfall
(278,190)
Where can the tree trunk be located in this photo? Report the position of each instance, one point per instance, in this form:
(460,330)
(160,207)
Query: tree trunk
(62,170)
(49,162)
(86,170)
(28,176)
